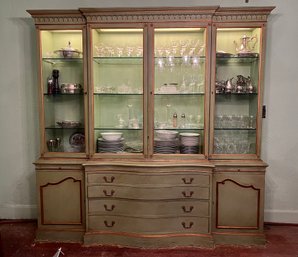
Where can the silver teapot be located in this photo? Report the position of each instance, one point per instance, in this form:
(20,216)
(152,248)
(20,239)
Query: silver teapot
(247,44)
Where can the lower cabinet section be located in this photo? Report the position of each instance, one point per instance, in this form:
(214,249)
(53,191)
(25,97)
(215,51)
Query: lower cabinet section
(161,206)
(238,209)
(150,205)
(61,213)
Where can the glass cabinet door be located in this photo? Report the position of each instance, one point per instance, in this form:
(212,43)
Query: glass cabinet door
(179,90)
(237,90)
(117,74)
(62,79)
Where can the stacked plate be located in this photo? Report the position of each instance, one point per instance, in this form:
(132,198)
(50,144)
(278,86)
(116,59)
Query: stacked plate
(189,143)
(108,146)
(165,146)
(110,142)
(166,142)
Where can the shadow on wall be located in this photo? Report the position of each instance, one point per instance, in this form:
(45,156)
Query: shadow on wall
(24,191)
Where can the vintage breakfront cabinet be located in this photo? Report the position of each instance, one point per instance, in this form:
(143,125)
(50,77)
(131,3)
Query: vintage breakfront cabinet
(150,125)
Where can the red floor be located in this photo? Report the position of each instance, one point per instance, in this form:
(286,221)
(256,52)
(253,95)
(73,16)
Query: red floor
(17,240)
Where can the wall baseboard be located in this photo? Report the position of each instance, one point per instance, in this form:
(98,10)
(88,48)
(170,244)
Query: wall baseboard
(18,211)
(281,216)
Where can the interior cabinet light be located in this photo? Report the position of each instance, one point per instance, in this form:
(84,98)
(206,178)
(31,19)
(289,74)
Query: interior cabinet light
(120,30)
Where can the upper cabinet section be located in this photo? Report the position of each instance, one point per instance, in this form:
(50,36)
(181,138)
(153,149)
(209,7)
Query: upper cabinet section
(237,86)
(156,83)
(63,82)
(180,68)
(118,90)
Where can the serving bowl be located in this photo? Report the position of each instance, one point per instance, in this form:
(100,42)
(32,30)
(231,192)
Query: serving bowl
(111,136)
(70,88)
(166,134)
(69,124)
(68,52)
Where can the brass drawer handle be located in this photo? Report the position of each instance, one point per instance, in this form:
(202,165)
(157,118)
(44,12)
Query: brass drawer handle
(108,194)
(187,210)
(187,181)
(187,226)
(109,208)
(187,194)
(109,225)
(109,180)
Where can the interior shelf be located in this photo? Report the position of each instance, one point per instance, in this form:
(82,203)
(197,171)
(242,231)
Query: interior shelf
(57,60)
(236,59)
(118,60)
(245,129)
(120,129)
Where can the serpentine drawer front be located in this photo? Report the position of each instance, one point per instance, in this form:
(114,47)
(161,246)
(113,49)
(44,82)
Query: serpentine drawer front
(133,178)
(148,193)
(141,225)
(144,202)
(148,208)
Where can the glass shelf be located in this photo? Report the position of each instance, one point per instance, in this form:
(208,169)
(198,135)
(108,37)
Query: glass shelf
(236,59)
(232,129)
(118,60)
(58,95)
(60,128)
(57,60)
(180,129)
(120,129)
(181,94)
(236,94)
(118,94)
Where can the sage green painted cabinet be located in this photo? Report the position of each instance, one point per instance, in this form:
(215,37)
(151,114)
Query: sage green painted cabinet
(152,135)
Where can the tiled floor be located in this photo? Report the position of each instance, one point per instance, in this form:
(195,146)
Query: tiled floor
(17,240)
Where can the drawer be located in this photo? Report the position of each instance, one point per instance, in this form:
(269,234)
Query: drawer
(148,178)
(157,226)
(148,209)
(148,193)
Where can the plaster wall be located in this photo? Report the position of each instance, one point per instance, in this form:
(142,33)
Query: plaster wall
(19,138)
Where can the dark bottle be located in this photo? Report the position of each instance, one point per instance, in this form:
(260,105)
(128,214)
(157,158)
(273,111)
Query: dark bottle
(50,85)
(56,88)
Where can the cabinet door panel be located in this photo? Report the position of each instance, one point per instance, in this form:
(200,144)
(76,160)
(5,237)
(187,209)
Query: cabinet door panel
(239,201)
(118,94)
(180,67)
(237,89)
(63,83)
(60,196)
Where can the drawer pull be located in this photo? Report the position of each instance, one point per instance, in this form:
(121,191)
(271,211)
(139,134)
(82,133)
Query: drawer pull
(187,194)
(187,181)
(187,226)
(108,194)
(109,225)
(107,180)
(109,209)
(187,209)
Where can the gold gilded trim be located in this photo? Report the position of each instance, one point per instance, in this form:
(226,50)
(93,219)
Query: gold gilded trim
(147,18)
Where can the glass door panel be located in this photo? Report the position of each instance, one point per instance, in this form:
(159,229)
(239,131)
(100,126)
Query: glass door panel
(118,90)
(237,90)
(63,87)
(179,90)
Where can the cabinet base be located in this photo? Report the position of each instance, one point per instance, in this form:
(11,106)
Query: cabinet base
(60,236)
(149,241)
(239,239)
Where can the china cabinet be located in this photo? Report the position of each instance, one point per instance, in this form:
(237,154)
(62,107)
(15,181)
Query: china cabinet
(150,123)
